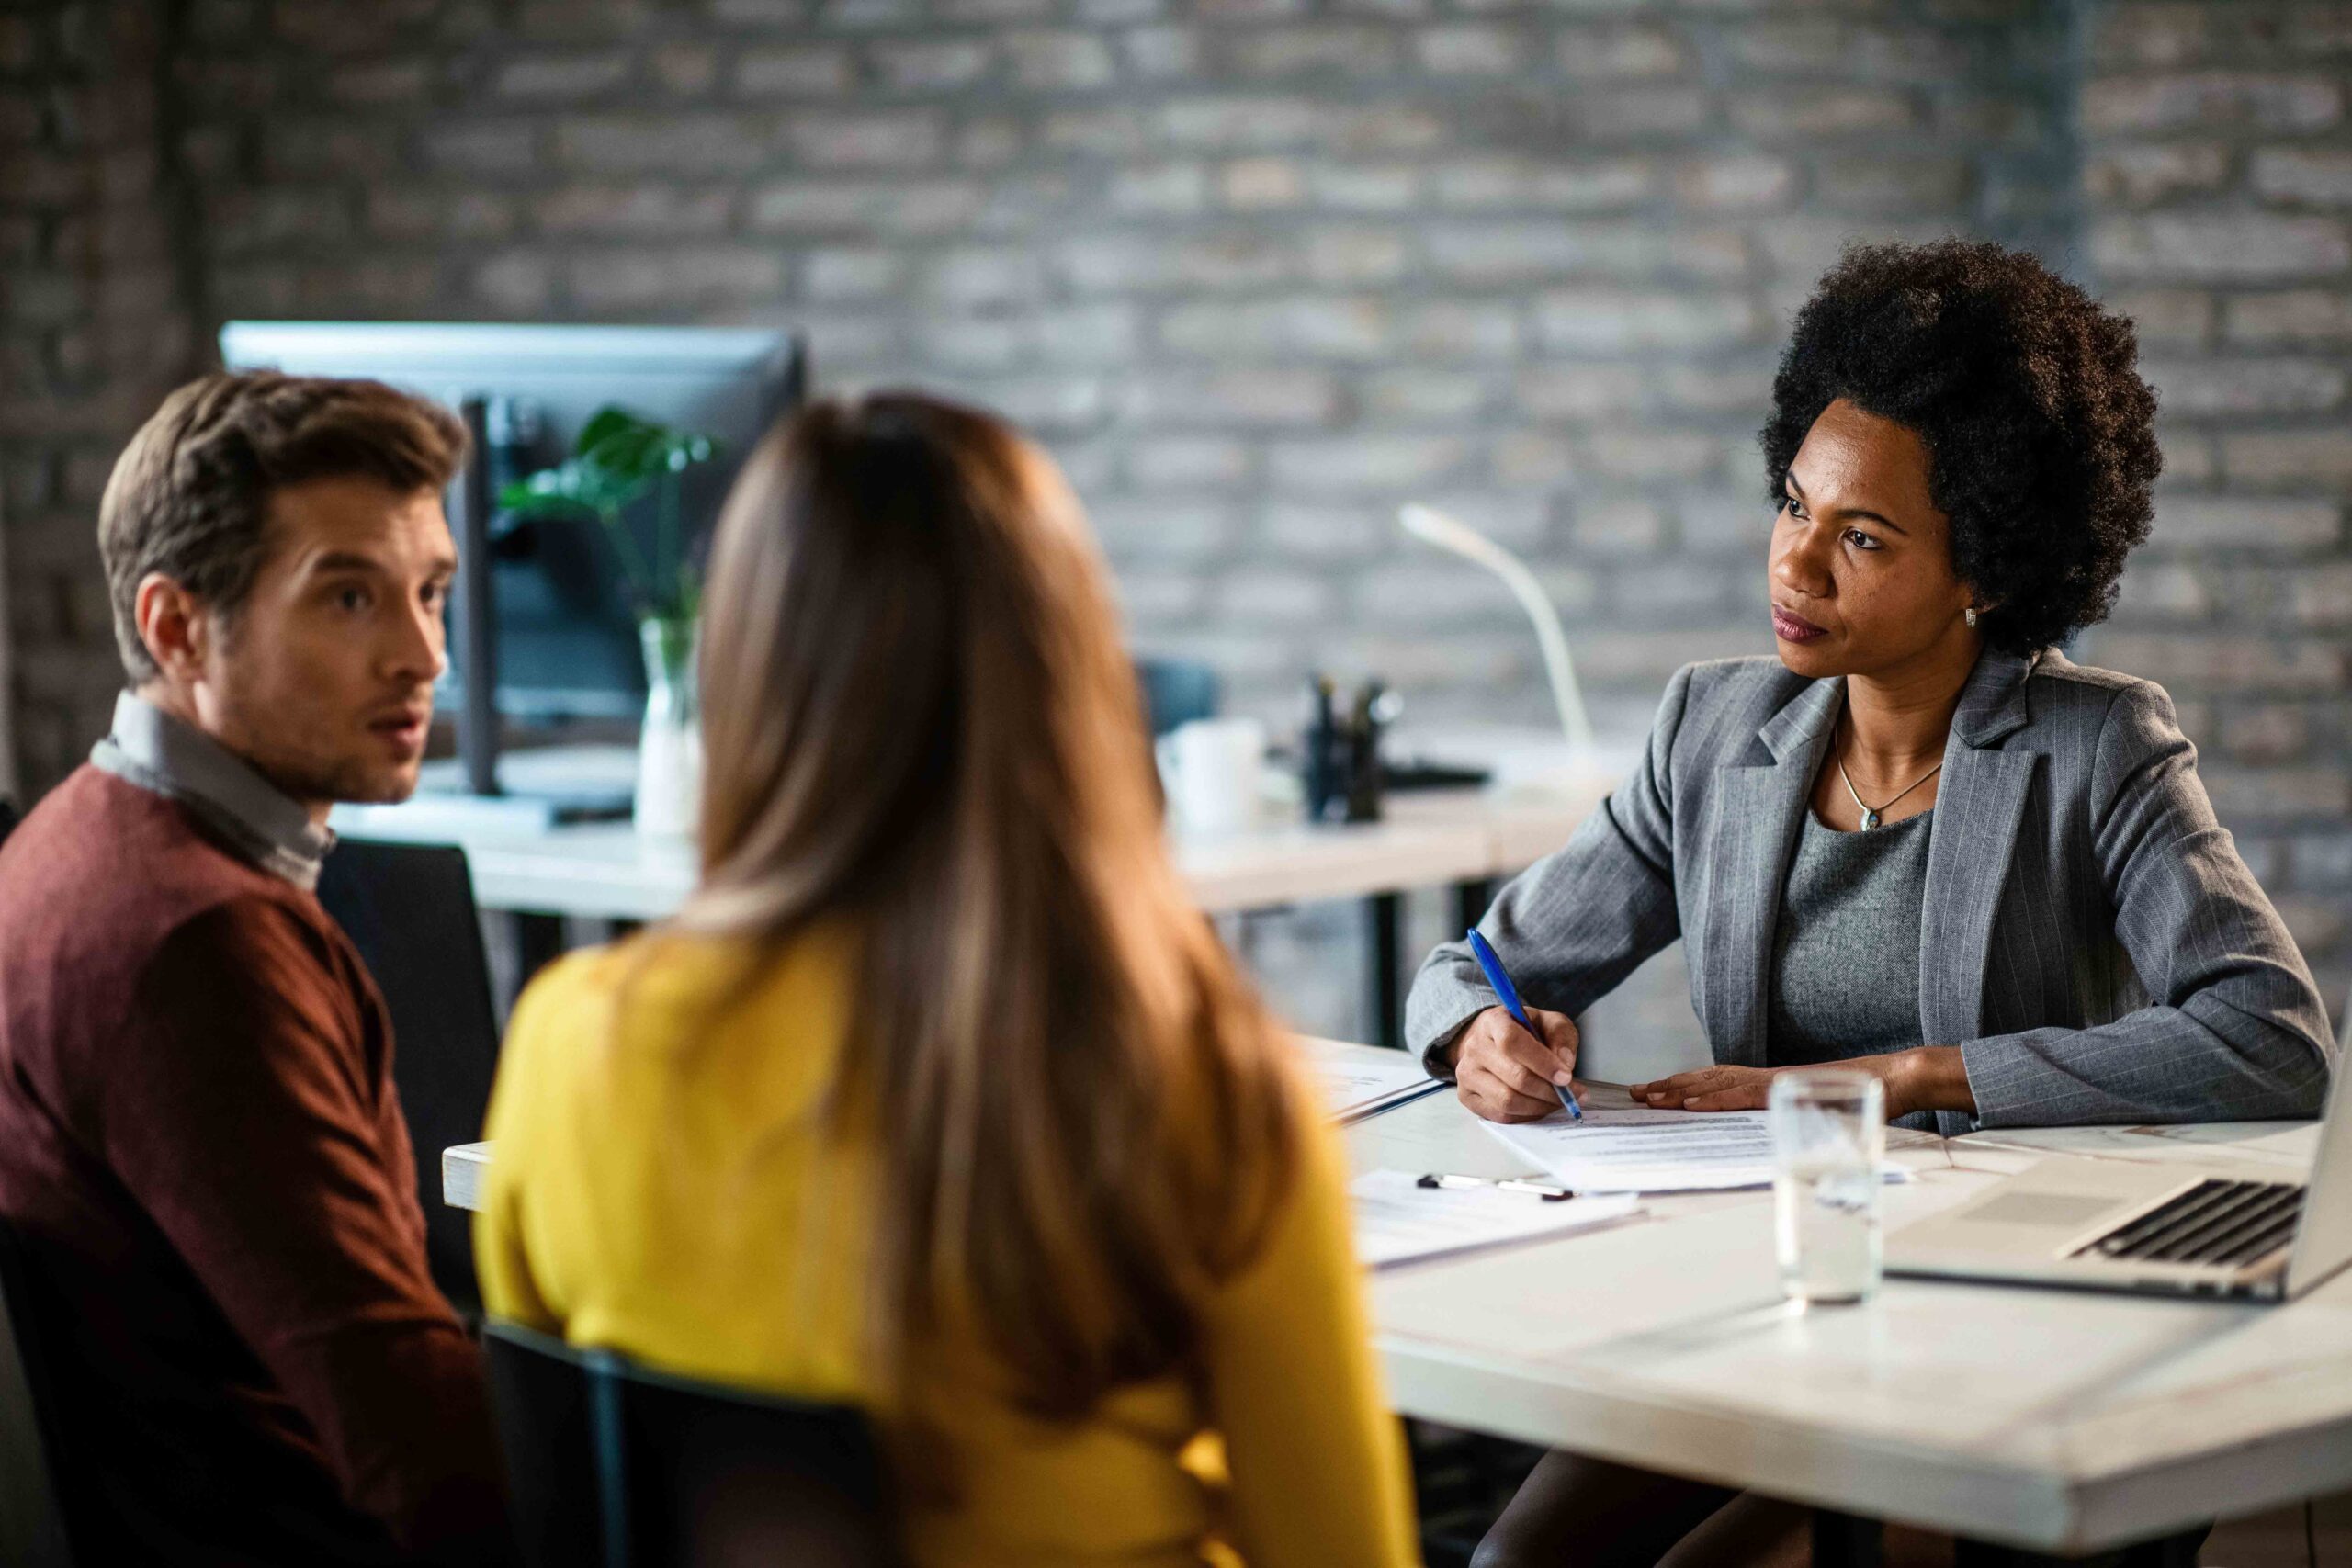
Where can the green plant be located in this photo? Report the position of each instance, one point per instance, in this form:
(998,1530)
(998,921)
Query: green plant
(619,458)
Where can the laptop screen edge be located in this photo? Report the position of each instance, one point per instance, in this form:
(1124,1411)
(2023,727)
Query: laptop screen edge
(2324,1240)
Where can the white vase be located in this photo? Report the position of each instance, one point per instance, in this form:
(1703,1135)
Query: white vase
(669,749)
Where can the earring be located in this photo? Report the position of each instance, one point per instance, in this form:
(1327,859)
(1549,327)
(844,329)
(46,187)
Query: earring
(1970,615)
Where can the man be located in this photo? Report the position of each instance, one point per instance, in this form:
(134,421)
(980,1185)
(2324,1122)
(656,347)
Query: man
(201,1152)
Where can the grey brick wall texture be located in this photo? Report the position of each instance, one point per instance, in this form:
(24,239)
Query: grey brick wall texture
(2216,180)
(1257,271)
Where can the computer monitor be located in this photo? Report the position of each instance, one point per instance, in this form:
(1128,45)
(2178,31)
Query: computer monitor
(566,644)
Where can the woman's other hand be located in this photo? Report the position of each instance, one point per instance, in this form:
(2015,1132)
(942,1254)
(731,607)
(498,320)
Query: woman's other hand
(1707,1088)
(1504,1074)
(1926,1077)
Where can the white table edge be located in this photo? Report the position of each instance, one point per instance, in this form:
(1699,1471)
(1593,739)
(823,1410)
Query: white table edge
(2052,1508)
(2056,1506)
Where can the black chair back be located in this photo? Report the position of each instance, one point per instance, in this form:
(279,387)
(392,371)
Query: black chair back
(8,818)
(409,909)
(32,1519)
(611,1463)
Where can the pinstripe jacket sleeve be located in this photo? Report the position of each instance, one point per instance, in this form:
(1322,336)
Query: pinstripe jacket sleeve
(1578,921)
(2232,1025)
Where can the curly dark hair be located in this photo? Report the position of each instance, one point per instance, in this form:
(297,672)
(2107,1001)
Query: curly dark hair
(2038,429)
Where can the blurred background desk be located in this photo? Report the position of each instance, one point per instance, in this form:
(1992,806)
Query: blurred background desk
(1461,839)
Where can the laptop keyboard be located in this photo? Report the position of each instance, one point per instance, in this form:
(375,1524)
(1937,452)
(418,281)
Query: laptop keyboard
(2215,1221)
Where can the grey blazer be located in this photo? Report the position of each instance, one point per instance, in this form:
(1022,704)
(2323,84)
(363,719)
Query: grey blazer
(2089,938)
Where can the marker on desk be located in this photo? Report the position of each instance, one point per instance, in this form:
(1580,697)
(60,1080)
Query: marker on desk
(1446,1178)
(1500,981)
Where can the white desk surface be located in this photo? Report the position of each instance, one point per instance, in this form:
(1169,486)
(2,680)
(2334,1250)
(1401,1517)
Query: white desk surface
(2062,1420)
(605,869)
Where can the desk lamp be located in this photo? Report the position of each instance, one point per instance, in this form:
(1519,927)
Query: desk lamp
(1428,524)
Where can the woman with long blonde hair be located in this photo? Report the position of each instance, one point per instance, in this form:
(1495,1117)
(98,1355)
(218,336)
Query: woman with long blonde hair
(939,1098)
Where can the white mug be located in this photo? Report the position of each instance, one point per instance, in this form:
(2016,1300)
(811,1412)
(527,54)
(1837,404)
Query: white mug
(1210,768)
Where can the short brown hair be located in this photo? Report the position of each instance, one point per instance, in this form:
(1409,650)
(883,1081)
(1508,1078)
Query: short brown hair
(190,495)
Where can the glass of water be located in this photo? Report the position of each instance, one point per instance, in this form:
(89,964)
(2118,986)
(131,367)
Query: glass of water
(1828,1139)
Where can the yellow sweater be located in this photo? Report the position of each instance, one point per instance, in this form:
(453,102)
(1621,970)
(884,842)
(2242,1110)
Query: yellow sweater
(661,1187)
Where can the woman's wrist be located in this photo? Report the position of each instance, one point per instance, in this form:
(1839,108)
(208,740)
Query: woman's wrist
(1926,1078)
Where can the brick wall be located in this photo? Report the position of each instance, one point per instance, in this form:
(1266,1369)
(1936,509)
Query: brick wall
(1259,269)
(2217,174)
(96,325)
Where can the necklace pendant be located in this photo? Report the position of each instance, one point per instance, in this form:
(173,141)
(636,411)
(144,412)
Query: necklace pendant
(1870,818)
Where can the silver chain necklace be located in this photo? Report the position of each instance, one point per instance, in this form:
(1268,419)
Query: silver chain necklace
(1870,814)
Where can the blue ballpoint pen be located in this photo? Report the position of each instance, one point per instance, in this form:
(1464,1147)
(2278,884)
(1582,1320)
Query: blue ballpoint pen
(1481,950)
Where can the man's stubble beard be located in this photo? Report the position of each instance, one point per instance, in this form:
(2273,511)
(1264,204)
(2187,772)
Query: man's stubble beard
(332,779)
(362,786)
(341,779)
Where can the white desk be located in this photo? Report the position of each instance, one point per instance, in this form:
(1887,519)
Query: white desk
(606,870)
(2062,1421)
(1465,838)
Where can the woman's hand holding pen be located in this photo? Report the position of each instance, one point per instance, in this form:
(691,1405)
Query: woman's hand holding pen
(1504,1074)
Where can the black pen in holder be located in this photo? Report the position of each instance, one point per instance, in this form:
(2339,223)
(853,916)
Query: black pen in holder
(1340,756)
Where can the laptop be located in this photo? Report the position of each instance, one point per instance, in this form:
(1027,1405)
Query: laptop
(2112,1225)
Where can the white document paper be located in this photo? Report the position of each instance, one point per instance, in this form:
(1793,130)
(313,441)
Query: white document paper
(1354,1086)
(1398,1221)
(1634,1150)
(1622,1147)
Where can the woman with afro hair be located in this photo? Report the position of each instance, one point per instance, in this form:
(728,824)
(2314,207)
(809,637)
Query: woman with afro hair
(1919,842)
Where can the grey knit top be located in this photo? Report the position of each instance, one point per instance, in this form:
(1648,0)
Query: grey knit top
(1846,948)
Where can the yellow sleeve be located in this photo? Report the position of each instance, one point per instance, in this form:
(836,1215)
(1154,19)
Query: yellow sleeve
(1317,1461)
(501,1261)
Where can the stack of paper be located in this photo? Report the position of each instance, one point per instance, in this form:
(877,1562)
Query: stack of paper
(1356,1084)
(1648,1151)
(1399,1221)
(1620,1148)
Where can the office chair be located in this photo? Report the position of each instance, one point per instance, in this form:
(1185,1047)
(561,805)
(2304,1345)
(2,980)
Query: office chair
(409,909)
(32,1520)
(611,1463)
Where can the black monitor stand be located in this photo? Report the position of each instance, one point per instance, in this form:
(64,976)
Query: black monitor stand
(473,612)
(566,784)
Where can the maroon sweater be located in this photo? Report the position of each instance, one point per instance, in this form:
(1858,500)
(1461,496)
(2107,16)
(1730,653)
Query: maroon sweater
(203,1161)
